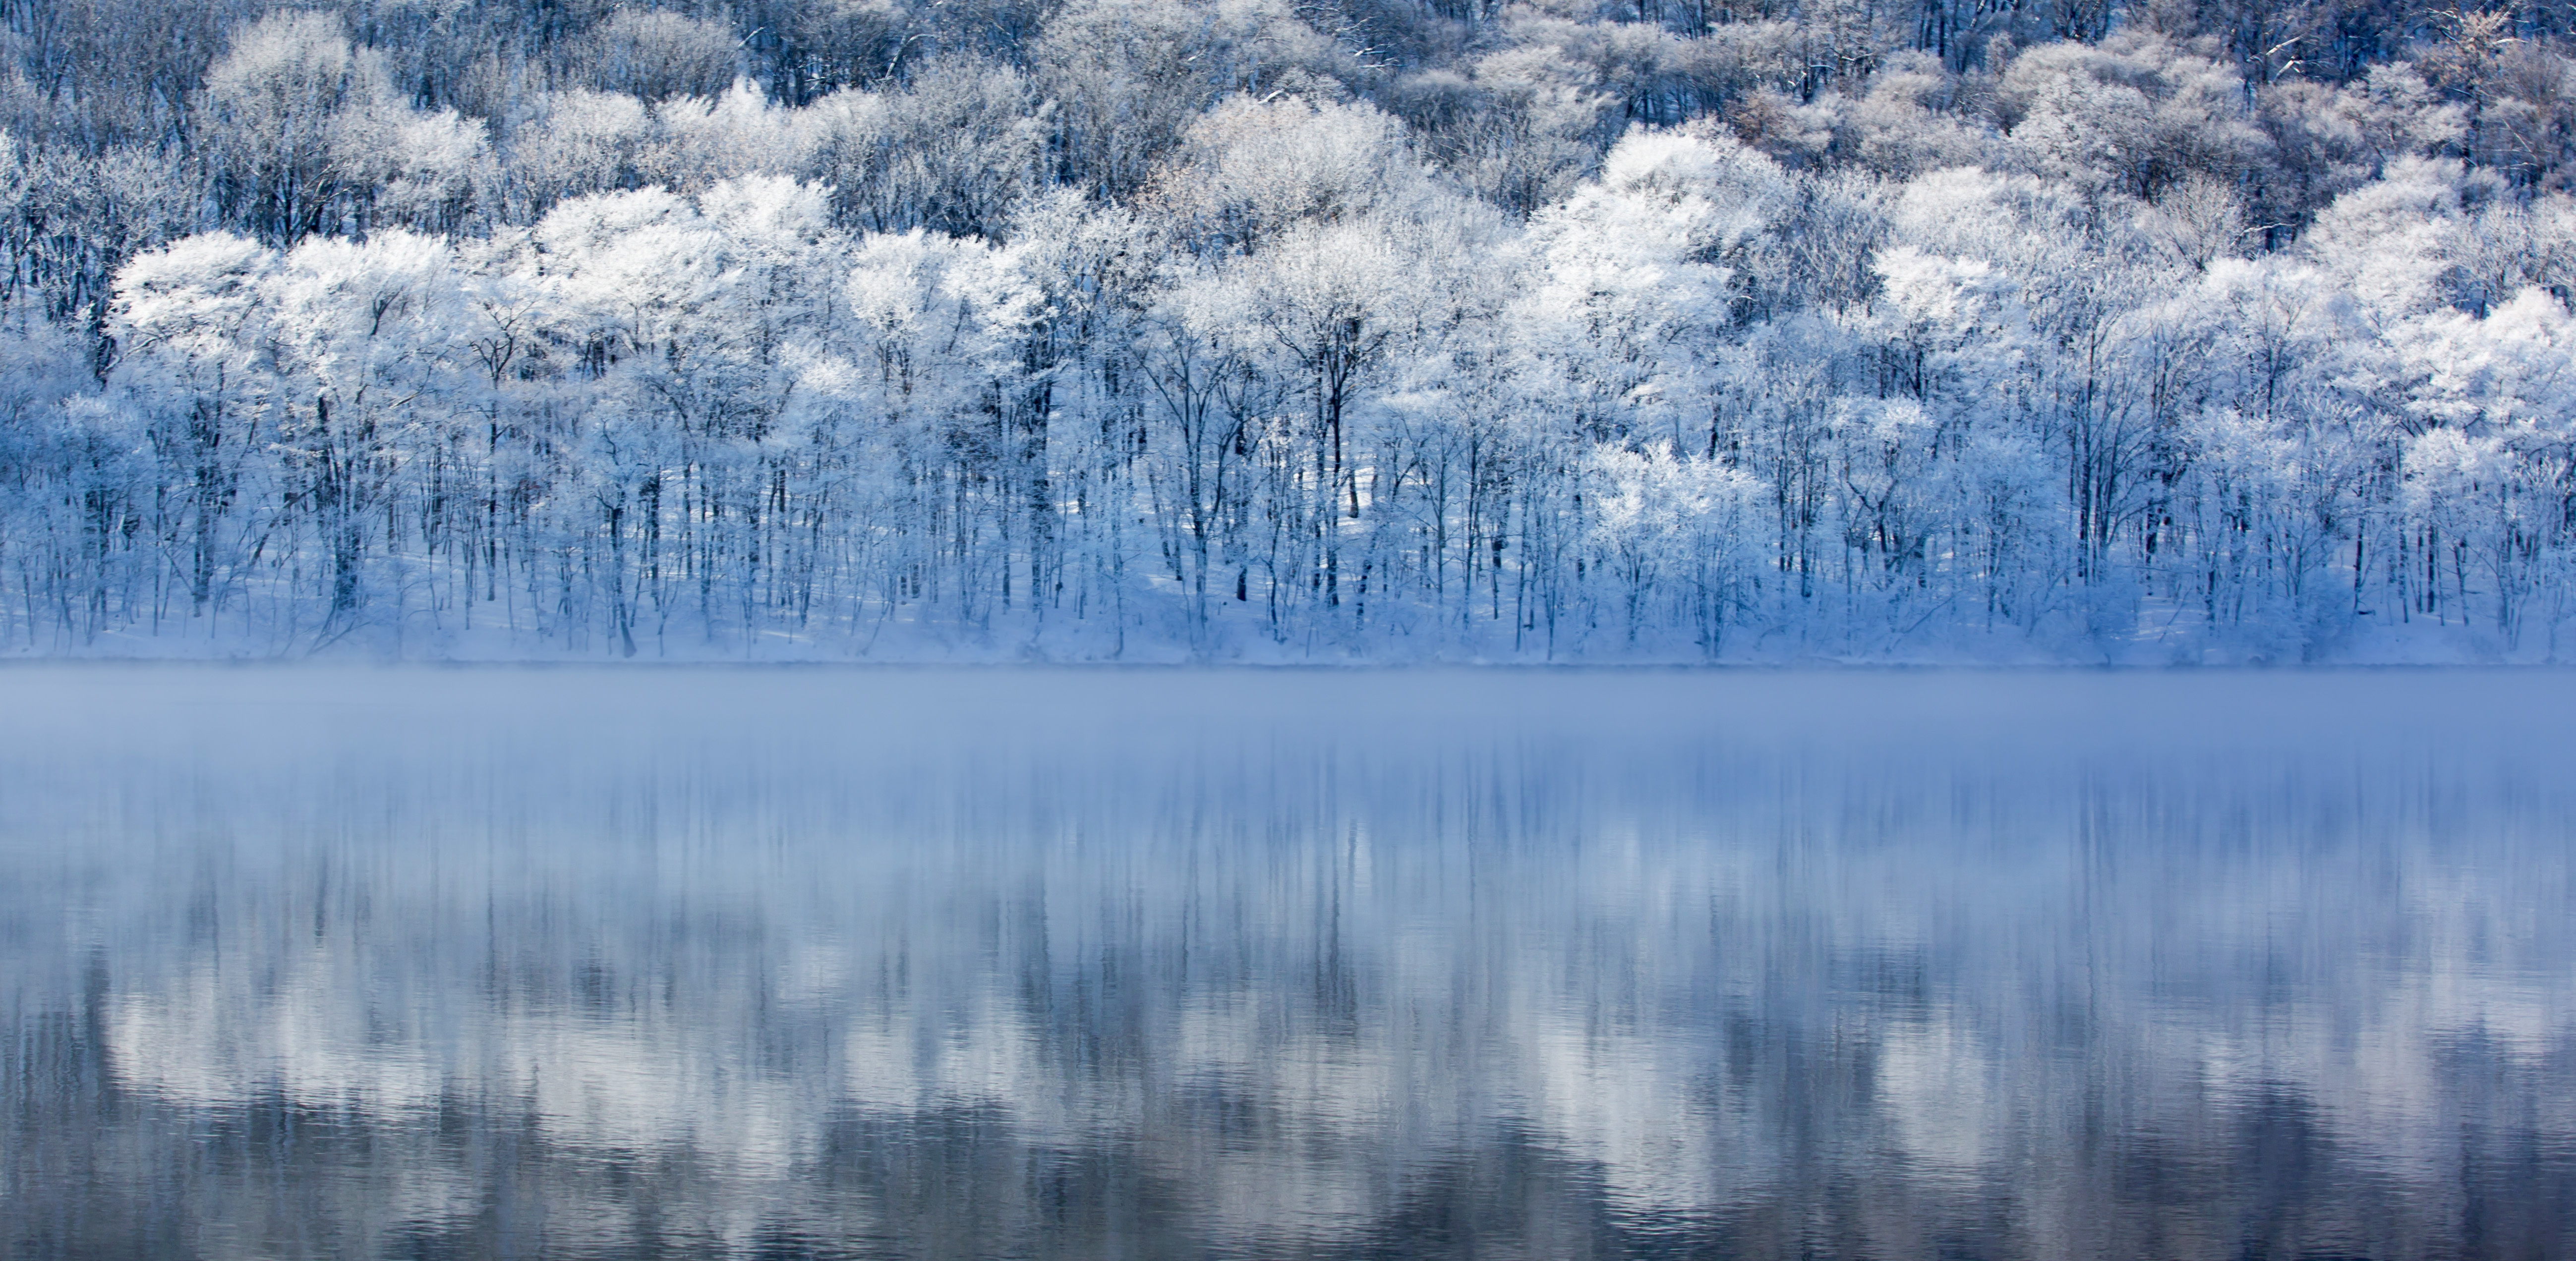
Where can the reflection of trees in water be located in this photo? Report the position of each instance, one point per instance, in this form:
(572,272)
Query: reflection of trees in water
(1350,999)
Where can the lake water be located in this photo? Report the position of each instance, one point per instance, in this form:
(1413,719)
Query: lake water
(1026,963)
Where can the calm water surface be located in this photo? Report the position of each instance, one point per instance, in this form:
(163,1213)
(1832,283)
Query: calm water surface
(1301,964)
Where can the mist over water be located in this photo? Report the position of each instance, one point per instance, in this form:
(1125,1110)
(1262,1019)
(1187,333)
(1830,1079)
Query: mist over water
(1286,964)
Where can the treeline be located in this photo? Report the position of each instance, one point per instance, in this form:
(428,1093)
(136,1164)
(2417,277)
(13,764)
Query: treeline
(1249,329)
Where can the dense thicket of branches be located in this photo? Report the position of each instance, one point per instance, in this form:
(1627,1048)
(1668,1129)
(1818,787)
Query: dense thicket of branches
(1244,327)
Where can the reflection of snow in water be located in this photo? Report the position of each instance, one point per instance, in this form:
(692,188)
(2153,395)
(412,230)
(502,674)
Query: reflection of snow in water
(1289,981)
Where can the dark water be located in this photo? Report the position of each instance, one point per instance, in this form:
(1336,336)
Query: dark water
(1154,964)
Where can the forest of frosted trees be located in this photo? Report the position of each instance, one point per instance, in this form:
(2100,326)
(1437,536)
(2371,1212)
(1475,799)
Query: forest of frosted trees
(2179,330)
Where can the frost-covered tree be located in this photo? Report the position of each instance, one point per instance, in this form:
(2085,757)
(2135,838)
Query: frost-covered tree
(1243,328)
